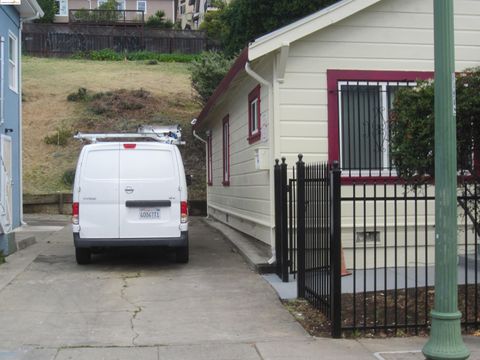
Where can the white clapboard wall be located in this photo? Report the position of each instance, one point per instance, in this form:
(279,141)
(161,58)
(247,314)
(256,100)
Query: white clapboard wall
(5,184)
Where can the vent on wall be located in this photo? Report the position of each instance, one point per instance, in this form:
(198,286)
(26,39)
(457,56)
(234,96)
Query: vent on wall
(367,236)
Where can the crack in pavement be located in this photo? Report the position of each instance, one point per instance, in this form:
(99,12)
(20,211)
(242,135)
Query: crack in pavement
(138,309)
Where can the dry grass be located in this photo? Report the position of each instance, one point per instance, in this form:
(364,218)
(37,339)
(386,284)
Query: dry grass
(46,84)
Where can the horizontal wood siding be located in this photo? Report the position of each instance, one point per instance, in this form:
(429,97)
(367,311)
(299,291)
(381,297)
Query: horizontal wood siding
(245,204)
(391,35)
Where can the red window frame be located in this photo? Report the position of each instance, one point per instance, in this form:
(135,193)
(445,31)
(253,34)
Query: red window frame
(226,151)
(254,95)
(209,161)
(335,76)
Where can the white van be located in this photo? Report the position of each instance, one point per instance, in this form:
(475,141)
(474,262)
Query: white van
(130,194)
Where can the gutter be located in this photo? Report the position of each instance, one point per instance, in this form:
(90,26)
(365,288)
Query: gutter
(269,85)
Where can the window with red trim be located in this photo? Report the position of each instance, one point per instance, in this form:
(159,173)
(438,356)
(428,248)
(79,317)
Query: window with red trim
(359,105)
(209,161)
(254,125)
(226,151)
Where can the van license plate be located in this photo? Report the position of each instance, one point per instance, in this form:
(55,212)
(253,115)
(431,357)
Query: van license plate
(150,213)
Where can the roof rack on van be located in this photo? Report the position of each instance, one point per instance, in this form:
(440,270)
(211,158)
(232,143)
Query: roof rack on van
(164,134)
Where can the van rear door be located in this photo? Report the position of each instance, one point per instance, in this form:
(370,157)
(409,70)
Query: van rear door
(149,191)
(98,193)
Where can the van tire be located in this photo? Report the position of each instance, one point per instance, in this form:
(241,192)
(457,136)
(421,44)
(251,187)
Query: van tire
(181,254)
(83,256)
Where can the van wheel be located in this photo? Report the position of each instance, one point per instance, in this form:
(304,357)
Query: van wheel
(83,256)
(181,254)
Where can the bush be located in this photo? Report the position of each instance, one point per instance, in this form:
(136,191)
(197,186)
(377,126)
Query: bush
(59,137)
(2,257)
(158,21)
(80,95)
(68,177)
(49,8)
(106,55)
(207,71)
(412,126)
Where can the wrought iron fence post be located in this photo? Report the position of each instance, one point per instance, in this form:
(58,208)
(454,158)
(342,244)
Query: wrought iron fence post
(277,185)
(300,227)
(284,221)
(335,251)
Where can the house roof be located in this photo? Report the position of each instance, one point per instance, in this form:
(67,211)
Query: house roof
(237,66)
(29,9)
(306,26)
(284,36)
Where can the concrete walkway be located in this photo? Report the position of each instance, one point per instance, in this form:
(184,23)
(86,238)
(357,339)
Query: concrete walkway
(141,305)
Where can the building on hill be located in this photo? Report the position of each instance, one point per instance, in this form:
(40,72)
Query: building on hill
(283,96)
(191,13)
(11,18)
(149,7)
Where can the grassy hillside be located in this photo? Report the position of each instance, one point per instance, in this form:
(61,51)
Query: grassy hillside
(119,97)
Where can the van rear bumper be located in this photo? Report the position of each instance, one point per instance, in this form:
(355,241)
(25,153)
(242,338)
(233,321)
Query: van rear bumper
(181,241)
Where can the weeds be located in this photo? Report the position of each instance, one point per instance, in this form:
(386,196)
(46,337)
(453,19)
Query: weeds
(68,177)
(59,137)
(2,257)
(80,95)
(153,58)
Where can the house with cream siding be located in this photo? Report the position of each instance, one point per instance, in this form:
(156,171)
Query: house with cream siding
(291,87)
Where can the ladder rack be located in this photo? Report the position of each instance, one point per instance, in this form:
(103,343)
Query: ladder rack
(164,134)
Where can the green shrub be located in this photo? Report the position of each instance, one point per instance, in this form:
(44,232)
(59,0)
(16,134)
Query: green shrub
(80,95)
(106,55)
(207,71)
(59,137)
(49,8)
(158,21)
(152,62)
(68,177)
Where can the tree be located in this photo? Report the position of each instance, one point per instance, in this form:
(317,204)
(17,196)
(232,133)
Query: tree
(158,20)
(50,8)
(244,20)
(207,72)
(412,127)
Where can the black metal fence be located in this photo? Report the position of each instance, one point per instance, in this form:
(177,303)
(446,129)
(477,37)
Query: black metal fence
(382,232)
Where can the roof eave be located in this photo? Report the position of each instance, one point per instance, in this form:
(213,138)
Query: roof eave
(306,26)
(29,10)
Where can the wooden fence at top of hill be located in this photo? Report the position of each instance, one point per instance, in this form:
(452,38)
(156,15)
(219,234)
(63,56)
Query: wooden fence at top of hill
(63,40)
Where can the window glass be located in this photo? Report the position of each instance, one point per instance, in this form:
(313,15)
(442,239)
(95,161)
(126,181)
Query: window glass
(226,152)
(141,6)
(12,62)
(253,116)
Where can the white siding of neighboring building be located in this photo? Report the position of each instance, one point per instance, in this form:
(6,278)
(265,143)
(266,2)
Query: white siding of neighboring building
(246,204)
(391,35)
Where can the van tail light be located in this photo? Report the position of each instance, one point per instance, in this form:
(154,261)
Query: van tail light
(183,212)
(129,146)
(75,213)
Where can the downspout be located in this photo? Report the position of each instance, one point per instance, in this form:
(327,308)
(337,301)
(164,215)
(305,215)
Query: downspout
(2,80)
(268,84)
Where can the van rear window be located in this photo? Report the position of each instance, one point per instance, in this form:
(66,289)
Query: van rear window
(146,164)
(101,165)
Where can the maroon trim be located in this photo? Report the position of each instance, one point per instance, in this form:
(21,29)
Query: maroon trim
(238,66)
(254,94)
(209,161)
(333,77)
(226,146)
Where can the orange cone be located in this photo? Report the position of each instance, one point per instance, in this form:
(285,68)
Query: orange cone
(345,272)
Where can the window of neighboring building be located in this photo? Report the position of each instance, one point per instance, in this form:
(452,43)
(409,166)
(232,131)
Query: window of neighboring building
(62,7)
(226,151)
(359,106)
(142,6)
(12,62)
(254,115)
(209,161)
(121,5)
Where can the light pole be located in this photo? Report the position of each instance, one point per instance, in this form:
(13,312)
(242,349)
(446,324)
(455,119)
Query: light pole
(445,338)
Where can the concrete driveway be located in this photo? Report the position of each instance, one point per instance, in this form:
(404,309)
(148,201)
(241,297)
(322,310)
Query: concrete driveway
(141,305)
(140,301)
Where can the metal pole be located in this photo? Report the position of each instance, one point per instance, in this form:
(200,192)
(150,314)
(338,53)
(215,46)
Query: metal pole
(335,250)
(284,218)
(445,338)
(300,227)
